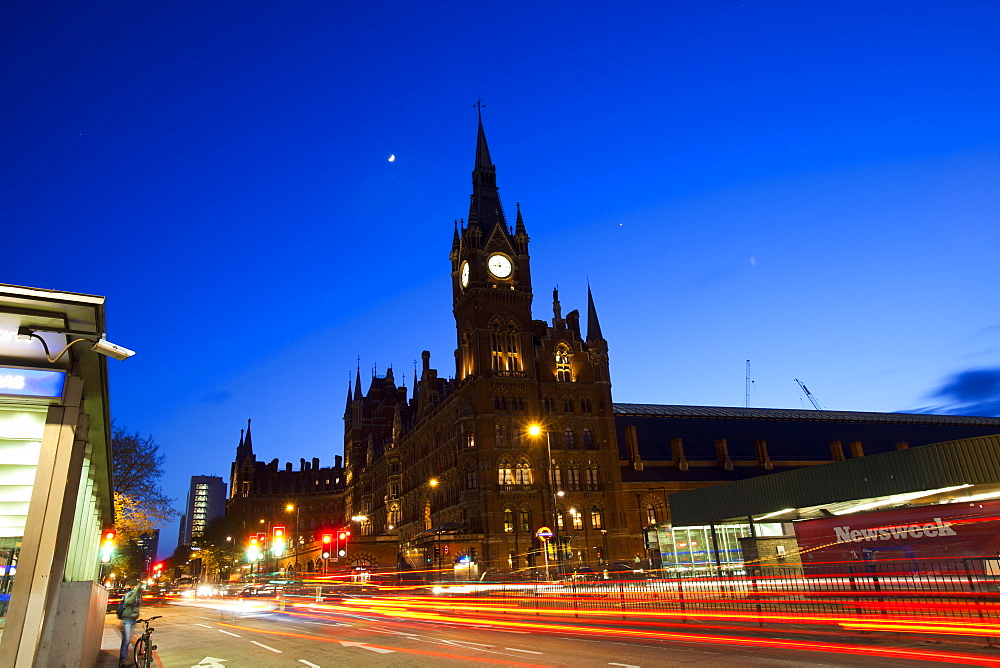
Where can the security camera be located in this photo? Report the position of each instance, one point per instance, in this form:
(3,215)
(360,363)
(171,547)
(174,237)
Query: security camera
(105,347)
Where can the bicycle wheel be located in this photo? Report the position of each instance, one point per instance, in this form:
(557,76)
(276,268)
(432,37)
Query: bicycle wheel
(143,657)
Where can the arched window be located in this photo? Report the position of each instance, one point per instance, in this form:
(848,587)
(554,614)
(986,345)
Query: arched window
(560,525)
(393,519)
(525,520)
(556,476)
(508,520)
(427,515)
(501,434)
(596,520)
(563,370)
(588,438)
(522,472)
(577,518)
(513,356)
(505,472)
(590,480)
(504,345)
(650,514)
(569,437)
(572,476)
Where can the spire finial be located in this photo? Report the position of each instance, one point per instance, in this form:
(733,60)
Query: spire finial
(479,107)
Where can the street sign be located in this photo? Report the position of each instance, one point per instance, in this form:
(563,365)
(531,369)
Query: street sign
(543,533)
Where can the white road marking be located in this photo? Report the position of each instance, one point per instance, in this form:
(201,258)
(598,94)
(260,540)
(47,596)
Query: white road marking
(276,651)
(205,625)
(312,665)
(228,633)
(623,665)
(200,617)
(380,650)
(526,651)
(466,642)
(210,662)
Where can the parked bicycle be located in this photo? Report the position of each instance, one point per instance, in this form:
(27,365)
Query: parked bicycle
(144,644)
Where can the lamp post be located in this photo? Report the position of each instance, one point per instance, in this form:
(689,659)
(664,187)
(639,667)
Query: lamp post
(535,430)
(295,535)
(436,562)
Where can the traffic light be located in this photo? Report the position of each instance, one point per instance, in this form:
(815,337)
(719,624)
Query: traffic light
(108,544)
(278,541)
(342,537)
(253,550)
(157,569)
(327,539)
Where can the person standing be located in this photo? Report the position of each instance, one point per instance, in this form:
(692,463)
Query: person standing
(129,612)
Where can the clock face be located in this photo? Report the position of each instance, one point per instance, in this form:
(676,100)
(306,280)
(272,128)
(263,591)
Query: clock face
(464,276)
(499,265)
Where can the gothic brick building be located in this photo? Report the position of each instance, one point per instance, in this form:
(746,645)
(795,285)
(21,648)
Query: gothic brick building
(523,434)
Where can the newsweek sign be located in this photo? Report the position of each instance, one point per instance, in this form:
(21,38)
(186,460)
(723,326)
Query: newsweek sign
(952,531)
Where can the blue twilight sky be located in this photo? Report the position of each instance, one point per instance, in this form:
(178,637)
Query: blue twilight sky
(812,186)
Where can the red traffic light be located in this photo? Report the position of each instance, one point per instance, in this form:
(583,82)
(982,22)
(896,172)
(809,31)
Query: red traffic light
(109,535)
(343,535)
(158,567)
(253,541)
(327,538)
(279,532)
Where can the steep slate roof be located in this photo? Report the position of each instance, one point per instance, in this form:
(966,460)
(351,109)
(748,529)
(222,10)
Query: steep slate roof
(791,435)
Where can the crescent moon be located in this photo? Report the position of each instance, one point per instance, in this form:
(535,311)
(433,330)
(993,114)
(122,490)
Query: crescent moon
(392,157)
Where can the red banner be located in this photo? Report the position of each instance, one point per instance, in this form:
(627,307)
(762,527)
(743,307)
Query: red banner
(945,532)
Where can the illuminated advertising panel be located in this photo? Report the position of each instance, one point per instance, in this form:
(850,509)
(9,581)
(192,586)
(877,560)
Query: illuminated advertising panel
(31,382)
(952,531)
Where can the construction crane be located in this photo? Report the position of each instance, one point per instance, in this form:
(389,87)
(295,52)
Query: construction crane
(809,395)
(747,400)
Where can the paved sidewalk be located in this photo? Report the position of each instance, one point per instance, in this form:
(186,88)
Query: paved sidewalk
(111,643)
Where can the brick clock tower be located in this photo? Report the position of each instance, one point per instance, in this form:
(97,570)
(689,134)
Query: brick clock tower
(464,473)
(537,427)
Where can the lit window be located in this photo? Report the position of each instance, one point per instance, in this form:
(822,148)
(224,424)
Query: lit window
(508,520)
(505,473)
(525,521)
(522,472)
(577,519)
(563,371)
(596,521)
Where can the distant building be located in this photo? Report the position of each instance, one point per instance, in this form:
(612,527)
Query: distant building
(149,544)
(206,501)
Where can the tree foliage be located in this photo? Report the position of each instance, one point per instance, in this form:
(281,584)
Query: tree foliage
(140,504)
(137,469)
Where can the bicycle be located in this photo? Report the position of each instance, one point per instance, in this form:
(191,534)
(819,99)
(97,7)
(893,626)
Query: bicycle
(143,645)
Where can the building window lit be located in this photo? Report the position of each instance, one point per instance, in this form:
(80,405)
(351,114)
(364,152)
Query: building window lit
(505,473)
(596,521)
(525,521)
(577,518)
(522,472)
(563,371)
(508,520)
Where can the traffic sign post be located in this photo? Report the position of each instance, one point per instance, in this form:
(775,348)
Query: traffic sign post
(544,534)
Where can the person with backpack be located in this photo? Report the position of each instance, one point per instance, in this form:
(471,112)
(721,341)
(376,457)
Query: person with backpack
(128,612)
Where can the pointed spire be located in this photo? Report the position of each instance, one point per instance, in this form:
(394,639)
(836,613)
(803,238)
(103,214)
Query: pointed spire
(357,383)
(482,150)
(455,240)
(248,441)
(347,409)
(519,223)
(593,324)
(485,209)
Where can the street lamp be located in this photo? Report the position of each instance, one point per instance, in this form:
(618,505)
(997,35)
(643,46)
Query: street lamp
(535,430)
